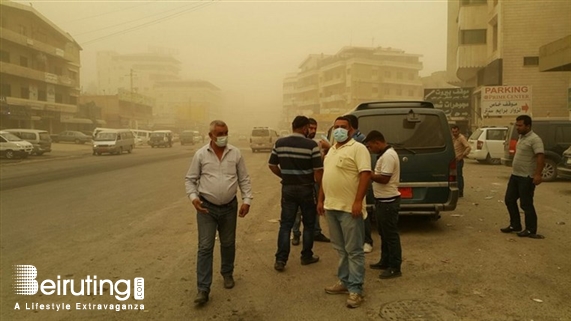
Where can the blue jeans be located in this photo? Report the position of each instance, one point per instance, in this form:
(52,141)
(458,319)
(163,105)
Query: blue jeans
(387,215)
(296,225)
(522,188)
(296,197)
(347,237)
(223,219)
(460,176)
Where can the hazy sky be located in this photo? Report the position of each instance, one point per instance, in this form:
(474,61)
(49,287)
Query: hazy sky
(249,46)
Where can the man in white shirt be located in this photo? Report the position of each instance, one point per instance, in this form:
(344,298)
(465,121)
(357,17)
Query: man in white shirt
(386,176)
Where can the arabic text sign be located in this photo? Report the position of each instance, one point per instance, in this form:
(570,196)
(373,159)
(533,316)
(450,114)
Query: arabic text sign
(455,102)
(506,100)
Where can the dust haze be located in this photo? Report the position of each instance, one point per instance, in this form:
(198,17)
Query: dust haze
(247,47)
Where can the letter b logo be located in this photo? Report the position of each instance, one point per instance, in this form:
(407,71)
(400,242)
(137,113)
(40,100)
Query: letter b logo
(24,279)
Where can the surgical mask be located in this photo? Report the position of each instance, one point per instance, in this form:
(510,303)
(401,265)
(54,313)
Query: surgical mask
(221,141)
(340,134)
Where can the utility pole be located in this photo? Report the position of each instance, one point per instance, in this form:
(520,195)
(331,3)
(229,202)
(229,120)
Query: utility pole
(132,100)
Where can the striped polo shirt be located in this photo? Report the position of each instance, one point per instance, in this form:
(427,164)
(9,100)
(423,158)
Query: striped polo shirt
(298,157)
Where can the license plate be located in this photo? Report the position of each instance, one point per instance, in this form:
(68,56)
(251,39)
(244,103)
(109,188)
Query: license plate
(405,192)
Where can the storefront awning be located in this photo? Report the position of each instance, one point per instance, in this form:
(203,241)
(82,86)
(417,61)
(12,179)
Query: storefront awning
(76,121)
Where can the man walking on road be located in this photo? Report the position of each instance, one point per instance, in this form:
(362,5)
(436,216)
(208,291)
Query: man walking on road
(346,175)
(319,237)
(527,168)
(462,149)
(215,173)
(297,161)
(386,178)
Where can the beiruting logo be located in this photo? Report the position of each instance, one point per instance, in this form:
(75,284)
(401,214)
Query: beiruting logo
(25,283)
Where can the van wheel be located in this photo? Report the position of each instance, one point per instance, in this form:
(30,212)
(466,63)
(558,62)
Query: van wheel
(549,171)
(77,141)
(130,150)
(492,161)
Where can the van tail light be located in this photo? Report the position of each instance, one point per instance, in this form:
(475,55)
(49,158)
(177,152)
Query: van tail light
(513,143)
(479,145)
(452,173)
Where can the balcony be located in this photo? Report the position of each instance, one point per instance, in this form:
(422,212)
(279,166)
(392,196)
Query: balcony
(6,34)
(45,77)
(333,82)
(470,59)
(307,88)
(41,105)
(333,98)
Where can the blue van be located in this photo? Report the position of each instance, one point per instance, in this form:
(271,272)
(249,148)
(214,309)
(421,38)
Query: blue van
(421,136)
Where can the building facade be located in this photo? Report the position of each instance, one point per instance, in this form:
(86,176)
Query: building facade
(327,86)
(122,110)
(493,47)
(39,71)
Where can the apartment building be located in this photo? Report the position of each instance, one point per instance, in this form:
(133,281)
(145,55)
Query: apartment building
(125,109)
(134,72)
(186,104)
(39,71)
(494,48)
(330,85)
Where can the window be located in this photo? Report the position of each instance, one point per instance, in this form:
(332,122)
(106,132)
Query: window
(473,37)
(58,71)
(42,95)
(563,134)
(72,100)
(399,75)
(6,90)
(531,61)
(387,74)
(23,61)
(495,37)
(59,98)
(4,56)
(24,92)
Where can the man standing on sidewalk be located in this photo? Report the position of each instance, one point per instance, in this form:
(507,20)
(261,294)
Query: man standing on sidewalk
(346,175)
(319,237)
(386,177)
(297,161)
(462,149)
(216,171)
(527,168)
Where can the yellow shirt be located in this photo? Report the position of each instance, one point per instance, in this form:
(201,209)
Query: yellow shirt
(341,168)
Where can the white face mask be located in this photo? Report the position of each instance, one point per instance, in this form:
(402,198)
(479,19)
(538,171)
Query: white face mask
(341,134)
(221,141)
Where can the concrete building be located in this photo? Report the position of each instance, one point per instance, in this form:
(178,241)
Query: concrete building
(330,85)
(186,104)
(494,47)
(39,72)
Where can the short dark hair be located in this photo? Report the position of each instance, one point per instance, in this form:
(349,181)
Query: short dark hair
(374,135)
(454,127)
(299,122)
(353,120)
(526,119)
(312,121)
(345,119)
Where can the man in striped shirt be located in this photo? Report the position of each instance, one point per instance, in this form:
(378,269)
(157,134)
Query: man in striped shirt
(297,161)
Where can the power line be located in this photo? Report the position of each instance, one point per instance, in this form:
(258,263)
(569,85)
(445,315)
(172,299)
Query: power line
(128,22)
(198,7)
(108,12)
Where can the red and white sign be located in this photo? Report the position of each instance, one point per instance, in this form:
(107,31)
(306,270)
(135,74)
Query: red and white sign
(506,100)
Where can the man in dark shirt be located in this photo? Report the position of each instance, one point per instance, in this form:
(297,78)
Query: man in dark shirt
(297,161)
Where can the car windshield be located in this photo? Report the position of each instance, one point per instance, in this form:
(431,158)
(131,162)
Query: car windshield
(105,136)
(476,134)
(425,134)
(11,137)
(260,132)
(158,134)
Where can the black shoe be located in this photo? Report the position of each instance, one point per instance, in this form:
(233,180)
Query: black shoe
(510,229)
(201,298)
(279,266)
(524,233)
(390,273)
(311,260)
(228,281)
(295,240)
(378,266)
(321,238)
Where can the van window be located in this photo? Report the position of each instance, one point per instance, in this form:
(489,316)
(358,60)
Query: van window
(106,136)
(44,136)
(260,132)
(27,136)
(425,134)
(496,134)
(563,134)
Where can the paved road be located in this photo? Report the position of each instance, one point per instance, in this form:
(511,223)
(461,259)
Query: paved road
(121,217)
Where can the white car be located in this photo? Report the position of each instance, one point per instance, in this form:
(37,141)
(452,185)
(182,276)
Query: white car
(487,144)
(11,146)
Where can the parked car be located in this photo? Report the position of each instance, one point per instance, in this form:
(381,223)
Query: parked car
(72,137)
(12,146)
(161,138)
(487,144)
(564,167)
(40,139)
(263,138)
(421,136)
(114,141)
(556,136)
